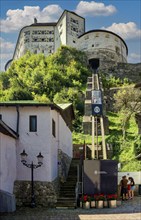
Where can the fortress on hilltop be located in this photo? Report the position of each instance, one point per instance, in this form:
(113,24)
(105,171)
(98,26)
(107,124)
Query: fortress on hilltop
(99,45)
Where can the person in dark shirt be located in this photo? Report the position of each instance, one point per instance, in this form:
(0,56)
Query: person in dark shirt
(124,188)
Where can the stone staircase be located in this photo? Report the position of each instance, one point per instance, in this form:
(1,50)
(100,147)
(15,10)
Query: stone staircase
(67,197)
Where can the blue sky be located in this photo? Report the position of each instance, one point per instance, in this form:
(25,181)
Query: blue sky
(120,16)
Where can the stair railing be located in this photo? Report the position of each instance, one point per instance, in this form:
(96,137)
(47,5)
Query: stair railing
(79,185)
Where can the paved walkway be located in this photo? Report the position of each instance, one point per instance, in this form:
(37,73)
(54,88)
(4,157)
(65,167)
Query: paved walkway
(128,210)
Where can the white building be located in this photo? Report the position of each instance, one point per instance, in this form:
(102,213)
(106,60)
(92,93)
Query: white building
(34,127)
(70,30)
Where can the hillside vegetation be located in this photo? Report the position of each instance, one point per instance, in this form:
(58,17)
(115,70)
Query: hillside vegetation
(124,150)
(61,78)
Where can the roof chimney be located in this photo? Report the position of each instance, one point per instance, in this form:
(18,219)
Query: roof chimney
(35,20)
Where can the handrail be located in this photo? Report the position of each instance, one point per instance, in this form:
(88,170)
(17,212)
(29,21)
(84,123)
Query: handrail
(78,190)
(78,187)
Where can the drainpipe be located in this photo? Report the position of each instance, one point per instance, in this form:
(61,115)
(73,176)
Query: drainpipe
(18,115)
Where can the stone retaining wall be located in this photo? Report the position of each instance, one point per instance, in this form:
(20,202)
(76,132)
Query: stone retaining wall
(45,193)
(119,70)
(63,165)
(122,70)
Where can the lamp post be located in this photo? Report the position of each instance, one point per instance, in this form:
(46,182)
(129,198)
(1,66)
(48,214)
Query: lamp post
(32,166)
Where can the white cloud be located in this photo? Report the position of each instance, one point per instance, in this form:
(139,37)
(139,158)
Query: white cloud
(93,8)
(6,56)
(134,58)
(125,30)
(7,49)
(6,46)
(16,19)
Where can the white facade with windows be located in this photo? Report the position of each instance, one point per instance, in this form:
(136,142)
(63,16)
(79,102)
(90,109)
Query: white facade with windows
(46,38)
(37,128)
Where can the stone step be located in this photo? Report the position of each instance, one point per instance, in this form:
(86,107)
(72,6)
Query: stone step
(66,202)
(66,195)
(67,189)
(72,172)
(66,206)
(67,184)
(68,199)
(71,178)
(70,182)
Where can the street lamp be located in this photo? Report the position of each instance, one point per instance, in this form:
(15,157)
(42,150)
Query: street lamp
(32,166)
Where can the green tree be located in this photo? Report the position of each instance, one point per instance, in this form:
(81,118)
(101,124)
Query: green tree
(128,103)
(59,77)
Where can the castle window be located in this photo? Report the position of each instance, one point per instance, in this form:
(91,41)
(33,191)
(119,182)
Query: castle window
(97,35)
(26,40)
(27,33)
(34,39)
(92,45)
(50,39)
(74,21)
(74,29)
(32,123)
(117,50)
(60,32)
(74,41)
